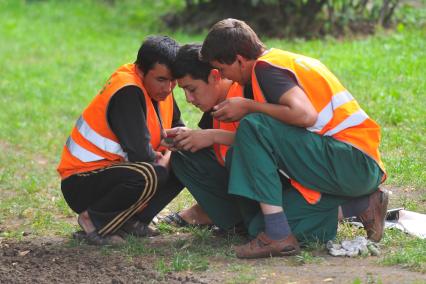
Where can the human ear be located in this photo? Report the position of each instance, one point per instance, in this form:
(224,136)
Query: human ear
(241,60)
(140,72)
(214,75)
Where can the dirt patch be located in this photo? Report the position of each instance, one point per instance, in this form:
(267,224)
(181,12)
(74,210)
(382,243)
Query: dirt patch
(54,260)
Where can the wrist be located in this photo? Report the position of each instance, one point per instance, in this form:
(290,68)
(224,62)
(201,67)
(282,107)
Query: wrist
(249,106)
(211,136)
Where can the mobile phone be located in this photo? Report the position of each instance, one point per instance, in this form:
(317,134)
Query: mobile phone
(169,139)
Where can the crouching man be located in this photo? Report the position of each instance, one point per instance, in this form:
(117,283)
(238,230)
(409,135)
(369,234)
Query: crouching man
(304,124)
(115,174)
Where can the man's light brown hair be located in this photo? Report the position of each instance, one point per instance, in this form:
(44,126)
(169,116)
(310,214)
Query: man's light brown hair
(230,37)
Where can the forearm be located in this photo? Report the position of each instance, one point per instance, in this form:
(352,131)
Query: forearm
(126,118)
(296,116)
(220,136)
(143,153)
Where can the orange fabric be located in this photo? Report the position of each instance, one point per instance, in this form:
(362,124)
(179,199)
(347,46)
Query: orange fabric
(321,87)
(96,117)
(236,90)
(310,195)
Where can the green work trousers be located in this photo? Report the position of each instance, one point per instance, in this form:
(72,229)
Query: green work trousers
(207,181)
(263,146)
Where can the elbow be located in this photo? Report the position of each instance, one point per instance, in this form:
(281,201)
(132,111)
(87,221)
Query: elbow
(310,119)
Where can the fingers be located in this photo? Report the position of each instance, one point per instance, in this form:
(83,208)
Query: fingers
(158,156)
(187,141)
(193,149)
(172,131)
(167,153)
(221,115)
(181,136)
(220,105)
(173,136)
(223,112)
(185,144)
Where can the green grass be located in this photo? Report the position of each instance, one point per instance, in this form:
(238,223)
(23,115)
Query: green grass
(192,251)
(56,55)
(406,251)
(396,247)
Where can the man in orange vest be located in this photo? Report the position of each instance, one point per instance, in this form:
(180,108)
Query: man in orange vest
(303,124)
(115,174)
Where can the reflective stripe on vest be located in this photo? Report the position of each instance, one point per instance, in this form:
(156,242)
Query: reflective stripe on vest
(98,140)
(339,115)
(326,114)
(353,120)
(93,145)
(81,153)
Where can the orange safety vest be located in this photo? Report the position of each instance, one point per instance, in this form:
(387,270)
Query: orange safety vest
(236,90)
(339,114)
(92,144)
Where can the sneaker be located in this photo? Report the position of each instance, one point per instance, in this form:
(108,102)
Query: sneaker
(95,239)
(136,228)
(263,246)
(373,218)
(174,219)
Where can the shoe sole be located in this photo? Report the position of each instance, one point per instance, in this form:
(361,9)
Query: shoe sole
(272,254)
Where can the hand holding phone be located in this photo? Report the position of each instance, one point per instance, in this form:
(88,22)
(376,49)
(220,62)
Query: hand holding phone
(169,139)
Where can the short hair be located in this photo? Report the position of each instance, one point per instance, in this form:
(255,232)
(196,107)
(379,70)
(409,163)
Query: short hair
(156,49)
(188,62)
(230,37)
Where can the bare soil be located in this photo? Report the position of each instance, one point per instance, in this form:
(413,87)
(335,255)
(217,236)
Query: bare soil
(57,260)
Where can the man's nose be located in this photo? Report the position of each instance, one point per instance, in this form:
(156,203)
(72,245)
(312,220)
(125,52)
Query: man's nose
(168,86)
(189,98)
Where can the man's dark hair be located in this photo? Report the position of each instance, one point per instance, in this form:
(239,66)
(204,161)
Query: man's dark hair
(188,63)
(156,49)
(230,37)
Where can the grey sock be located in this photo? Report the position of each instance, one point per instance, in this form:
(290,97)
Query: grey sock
(355,206)
(276,226)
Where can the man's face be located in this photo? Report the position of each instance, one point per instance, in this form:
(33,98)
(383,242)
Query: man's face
(158,82)
(235,71)
(199,93)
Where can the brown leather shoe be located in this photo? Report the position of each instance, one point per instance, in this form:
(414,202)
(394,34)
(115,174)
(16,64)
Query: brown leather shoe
(263,246)
(373,218)
(136,228)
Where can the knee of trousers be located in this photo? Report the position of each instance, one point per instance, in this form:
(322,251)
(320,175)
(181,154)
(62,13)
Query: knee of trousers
(179,159)
(175,160)
(253,125)
(252,118)
(249,124)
